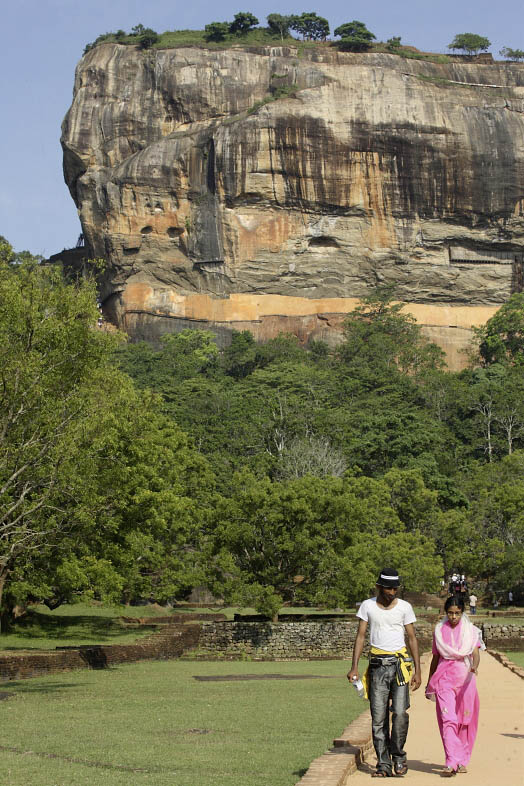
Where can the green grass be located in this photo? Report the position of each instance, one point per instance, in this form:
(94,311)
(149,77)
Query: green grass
(71,626)
(498,620)
(176,38)
(516,657)
(256,37)
(152,723)
(80,624)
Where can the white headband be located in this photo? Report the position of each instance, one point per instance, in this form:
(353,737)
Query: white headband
(389,578)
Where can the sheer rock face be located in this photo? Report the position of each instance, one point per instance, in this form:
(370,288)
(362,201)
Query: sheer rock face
(213,212)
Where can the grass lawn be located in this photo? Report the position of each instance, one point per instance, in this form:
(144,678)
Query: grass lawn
(516,657)
(152,723)
(73,625)
(42,629)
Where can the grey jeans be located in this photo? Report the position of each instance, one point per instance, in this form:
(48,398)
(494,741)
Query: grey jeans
(385,694)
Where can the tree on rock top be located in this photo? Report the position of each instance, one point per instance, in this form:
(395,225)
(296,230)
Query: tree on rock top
(242,22)
(355,36)
(512,54)
(280,24)
(471,43)
(216,31)
(311,26)
(145,35)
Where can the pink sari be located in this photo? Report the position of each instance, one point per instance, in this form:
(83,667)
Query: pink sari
(454,687)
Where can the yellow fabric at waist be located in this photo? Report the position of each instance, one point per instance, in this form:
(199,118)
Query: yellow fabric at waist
(404,671)
(398,653)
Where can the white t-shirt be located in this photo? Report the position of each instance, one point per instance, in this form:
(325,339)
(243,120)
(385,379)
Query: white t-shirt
(386,627)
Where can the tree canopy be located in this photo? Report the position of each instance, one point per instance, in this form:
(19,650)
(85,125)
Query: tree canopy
(310,26)
(274,472)
(501,339)
(98,489)
(355,36)
(381,407)
(512,54)
(216,31)
(471,43)
(145,35)
(242,22)
(280,24)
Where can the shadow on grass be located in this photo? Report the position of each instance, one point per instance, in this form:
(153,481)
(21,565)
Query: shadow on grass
(36,625)
(84,762)
(33,686)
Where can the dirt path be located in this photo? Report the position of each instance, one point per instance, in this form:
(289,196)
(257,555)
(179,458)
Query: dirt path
(498,756)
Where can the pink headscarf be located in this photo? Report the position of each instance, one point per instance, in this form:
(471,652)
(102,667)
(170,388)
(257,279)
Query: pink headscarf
(469,637)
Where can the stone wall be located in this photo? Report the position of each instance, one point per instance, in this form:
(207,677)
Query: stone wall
(171,643)
(508,636)
(285,640)
(307,640)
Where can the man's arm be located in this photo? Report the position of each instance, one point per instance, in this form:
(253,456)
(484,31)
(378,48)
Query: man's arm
(413,646)
(357,649)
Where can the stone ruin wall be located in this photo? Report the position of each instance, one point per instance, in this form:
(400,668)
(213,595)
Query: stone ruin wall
(238,640)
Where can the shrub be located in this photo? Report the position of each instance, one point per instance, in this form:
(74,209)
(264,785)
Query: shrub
(216,31)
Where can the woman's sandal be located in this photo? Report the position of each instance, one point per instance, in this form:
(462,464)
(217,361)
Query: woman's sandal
(401,769)
(448,772)
(461,768)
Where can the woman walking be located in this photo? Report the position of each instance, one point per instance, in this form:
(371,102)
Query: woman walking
(452,684)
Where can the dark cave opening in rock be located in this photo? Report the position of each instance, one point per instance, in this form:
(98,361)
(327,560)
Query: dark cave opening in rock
(323,241)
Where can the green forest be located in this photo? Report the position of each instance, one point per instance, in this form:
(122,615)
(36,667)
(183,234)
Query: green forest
(271,473)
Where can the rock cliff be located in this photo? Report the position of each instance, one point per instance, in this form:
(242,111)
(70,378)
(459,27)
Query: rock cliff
(253,188)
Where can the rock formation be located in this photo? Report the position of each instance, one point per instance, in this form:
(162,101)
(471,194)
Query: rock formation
(253,188)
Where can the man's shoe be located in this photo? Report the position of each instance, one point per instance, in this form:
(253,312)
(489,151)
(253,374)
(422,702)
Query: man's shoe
(400,769)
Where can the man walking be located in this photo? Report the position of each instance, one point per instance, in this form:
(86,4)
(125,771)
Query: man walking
(390,670)
(472,603)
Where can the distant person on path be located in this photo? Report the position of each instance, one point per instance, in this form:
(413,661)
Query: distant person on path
(452,684)
(472,604)
(390,670)
(510,598)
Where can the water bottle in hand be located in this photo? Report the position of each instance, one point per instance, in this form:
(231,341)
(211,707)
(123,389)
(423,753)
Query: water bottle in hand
(359,687)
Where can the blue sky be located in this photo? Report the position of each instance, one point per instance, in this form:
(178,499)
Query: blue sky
(44,39)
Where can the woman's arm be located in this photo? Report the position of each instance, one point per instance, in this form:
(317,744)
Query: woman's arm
(476,660)
(433,665)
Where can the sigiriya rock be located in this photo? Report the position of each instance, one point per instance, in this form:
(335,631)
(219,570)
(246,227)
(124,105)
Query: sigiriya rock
(253,188)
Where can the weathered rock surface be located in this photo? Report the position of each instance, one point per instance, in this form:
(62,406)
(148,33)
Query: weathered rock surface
(213,212)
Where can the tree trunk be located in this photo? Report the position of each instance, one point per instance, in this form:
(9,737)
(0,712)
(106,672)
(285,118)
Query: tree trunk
(3,619)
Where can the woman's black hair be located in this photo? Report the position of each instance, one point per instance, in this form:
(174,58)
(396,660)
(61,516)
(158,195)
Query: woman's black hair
(454,600)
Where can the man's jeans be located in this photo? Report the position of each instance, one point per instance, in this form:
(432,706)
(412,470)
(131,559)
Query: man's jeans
(383,690)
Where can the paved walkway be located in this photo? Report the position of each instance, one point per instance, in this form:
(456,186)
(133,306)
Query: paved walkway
(498,756)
